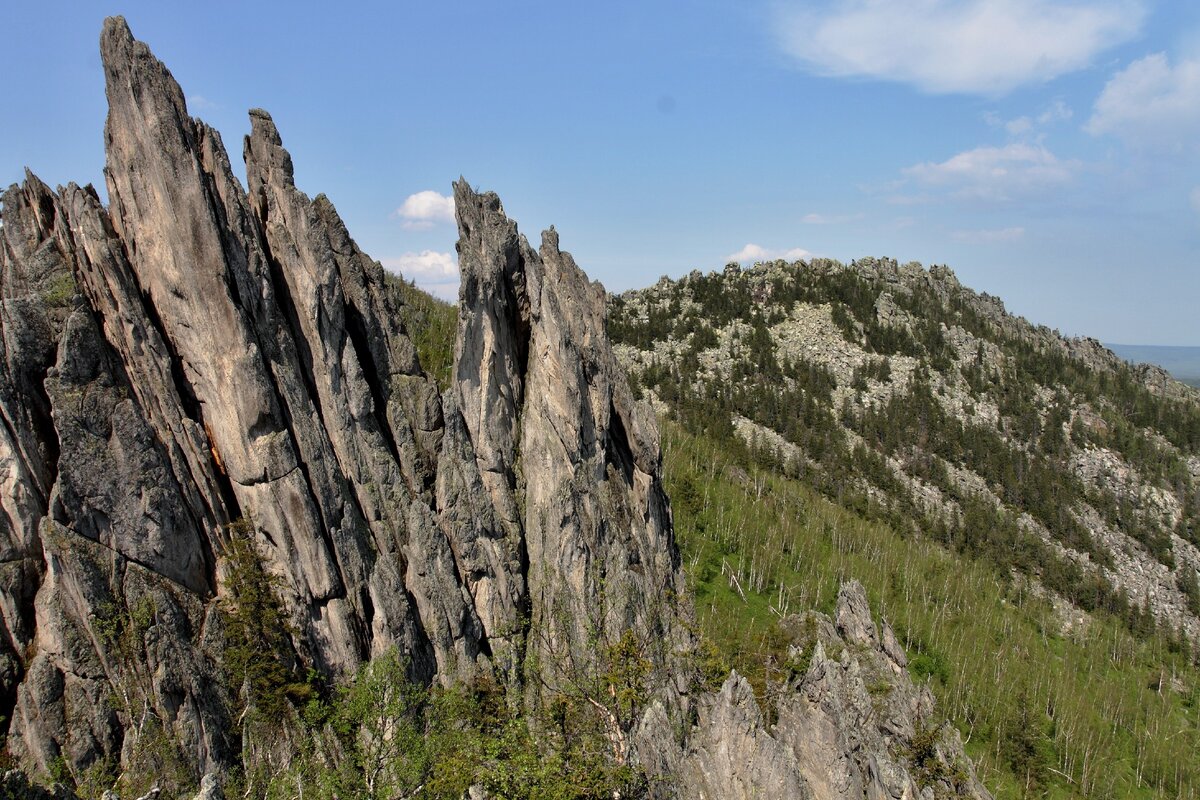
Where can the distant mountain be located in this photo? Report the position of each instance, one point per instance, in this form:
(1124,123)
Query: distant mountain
(1041,492)
(1182,362)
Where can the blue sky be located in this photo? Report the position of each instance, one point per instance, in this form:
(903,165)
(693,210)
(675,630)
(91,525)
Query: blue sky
(1047,150)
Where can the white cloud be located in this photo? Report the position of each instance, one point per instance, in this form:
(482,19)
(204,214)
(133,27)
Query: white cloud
(436,273)
(829,219)
(989,236)
(1058,111)
(198,102)
(955,46)
(753,253)
(1017,126)
(423,209)
(1195,198)
(1151,103)
(995,174)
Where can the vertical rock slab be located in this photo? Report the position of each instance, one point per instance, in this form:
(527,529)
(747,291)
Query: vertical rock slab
(36,292)
(198,257)
(115,506)
(380,413)
(555,430)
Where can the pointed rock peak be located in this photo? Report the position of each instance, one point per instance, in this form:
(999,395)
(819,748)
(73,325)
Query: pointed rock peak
(853,615)
(116,26)
(40,198)
(115,35)
(491,252)
(130,69)
(264,152)
(483,202)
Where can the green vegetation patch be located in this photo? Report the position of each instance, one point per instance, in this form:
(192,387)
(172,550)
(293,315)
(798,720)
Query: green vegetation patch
(431,324)
(1091,712)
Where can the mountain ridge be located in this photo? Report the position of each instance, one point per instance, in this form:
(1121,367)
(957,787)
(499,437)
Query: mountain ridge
(850,344)
(237,505)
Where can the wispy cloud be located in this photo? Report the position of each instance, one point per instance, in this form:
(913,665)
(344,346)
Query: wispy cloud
(955,46)
(1151,104)
(989,236)
(424,209)
(436,273)
(1028,125)
(753,253)
(198,102)
(829,219)
(995,174)
(1058,111)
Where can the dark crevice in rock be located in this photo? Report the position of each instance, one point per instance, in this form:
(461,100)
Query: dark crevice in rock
(228,496)
(619,453)
(8,699)
(31,582)
(514,283)
(357,330)
(42,416)
(291,317)
(484,646)
(368,614)
(47,210)
(422,667)
(183,387)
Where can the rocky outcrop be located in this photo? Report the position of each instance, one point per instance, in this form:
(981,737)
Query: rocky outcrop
(557,429)
(731,754)
(849,723)
(199,363)
(198,353)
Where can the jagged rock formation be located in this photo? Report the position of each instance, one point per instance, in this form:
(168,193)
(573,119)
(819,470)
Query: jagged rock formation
(198,355)
(555,425)
(848,724)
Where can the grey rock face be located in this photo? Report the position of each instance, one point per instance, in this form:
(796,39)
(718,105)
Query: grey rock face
(731,754)
(198,353)
(851,725)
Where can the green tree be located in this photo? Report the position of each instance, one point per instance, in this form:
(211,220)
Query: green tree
(382,715)
(258,653)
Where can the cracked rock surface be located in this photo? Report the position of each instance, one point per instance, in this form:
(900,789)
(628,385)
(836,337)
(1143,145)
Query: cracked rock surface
(199,353)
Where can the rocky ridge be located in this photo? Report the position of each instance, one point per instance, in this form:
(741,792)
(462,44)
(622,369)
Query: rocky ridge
(892,342)
(200,362)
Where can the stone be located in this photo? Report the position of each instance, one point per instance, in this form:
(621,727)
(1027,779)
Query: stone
(842,729)
(197,355)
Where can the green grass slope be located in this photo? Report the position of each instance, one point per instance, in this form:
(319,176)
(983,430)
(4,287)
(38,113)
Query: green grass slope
(1047,710)
(1093,712)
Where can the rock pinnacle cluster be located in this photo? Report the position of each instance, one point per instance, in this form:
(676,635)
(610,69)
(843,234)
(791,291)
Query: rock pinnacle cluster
(202,359)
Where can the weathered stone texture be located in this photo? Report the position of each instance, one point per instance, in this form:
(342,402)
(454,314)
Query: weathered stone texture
(198,353)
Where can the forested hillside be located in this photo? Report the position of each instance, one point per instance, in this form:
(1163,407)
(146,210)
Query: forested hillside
(1025,507)
(910,399)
